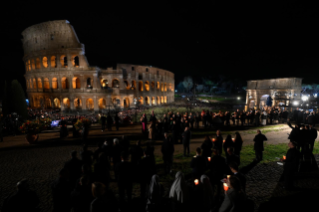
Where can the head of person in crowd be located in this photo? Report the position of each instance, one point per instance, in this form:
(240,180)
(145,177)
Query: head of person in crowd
(179,190)
(233,167)
(292,144)
(302,126)
(218,132)
(116,141)
(84,181)
(230,150)
(258,132)
(215,151)
(23,185)
(238,136)
(165,135)
(198,151)
(307,127)
(234,183)
(98,189)
(186,129)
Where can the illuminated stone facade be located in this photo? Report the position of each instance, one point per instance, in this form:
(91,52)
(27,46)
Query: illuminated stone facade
(58,74)
(283,91)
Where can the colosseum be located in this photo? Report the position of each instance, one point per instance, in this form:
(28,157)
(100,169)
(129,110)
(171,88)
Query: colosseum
(58,75)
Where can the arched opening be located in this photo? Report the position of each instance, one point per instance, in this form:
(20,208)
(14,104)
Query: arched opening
(147,100)
(66,103)
(89,83)
(263,101)
(152,84)
(76,83)
(54,83)
(41,102)
(65,83)
(104,83)
(251,103)
(38,65)
(162,87)
(165,99)
(29,65)
(162,99)
(115,83)
(45,62)
(77,103)
(158,100)
(30,82)
(133,85)
(89,104)
(46,83)
(141,100)
(76,61)
(48,103)
(140,86)
(170,87)
(127,86)
(34,83)
(39,83)
(153,101)
(158,85)
(126,102)
(56,102)
(102,103)
(165,87)
(26,66)
(140,76)
(147,86)
(64,61)
(53,62)
(33,64)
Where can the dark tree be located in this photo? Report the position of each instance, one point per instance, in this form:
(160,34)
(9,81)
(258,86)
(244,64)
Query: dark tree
(18,102)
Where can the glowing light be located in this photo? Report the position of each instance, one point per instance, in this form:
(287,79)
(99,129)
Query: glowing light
(304,98)
(238,98)
(295,103)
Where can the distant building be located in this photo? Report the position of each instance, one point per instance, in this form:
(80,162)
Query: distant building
(58,74)
(284,92)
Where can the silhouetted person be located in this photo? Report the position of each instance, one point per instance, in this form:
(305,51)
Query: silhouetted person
(99,150)
(117,122)
(186,140)
(198,164)
(238,143)
(167,151)
(231,156)
(104,199)
(116,155)
(103,122)
(102,169)
(124,143)
(218,144)
(86,155)
(81,197)
(109,121)
(175,132)
(22,200)
(259,145)
(146,169)
(313,135)
(228,143)
(207,147)
(234,169)
(136,153)
(61,190)
(74,166)
(291,165)
(124,174)
(179,193)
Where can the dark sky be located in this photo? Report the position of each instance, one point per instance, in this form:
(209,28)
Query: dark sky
(241,40)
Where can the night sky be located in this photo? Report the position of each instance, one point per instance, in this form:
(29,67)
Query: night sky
(241,40)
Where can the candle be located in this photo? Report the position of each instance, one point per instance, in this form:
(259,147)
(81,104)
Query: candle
(233,139)
(223,141)
(214,139)
(228,176)
(196,181)
(209,159)
(284,157)
(225,186)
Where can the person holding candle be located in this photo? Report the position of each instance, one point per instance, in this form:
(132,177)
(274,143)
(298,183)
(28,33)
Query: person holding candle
(207,147)
(207,194)
(231,156)
(238,143)
(291,165)
(259,145)
(198,164)
(234,169)
(186,140)
(179,193)
(235,198)
(228,143)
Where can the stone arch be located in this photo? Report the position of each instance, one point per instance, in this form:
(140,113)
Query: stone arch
(55,83)
(147,86)
(48,103)
(158,100)
(53,62)
(29,65)
(147,100)
(64,61)
(102,103)
(66,103)
(76,61)
(158,85)
(90,104)
(140,86)
(153,100)
(263,101)
(37,63)
(162,87)
(39,83)
(165,99)
(140,76)
(126,102)
(127,86)
(141,100)
(32,64)
(65,83)
(76,83)
(115,83)
(152,84)
(251,103)
(104,83)
(34,83)
(170,87)
(77,103)
(30,82)
(162,99)
(165,87)
(133,85)
(57,103)
(45,62)
(89,83)
(46,83)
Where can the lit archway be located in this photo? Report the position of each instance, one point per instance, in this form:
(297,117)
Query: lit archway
(33,64)
(147,86)
(152,84)
(115,83)
(158,100)
(153,101)
(48,103)
(77,103)
(64,61)
(89,83)
(53,62)
(66,103)
(147,100)
(165,87)
(127,86)
(162,99)
(141,100)
(46,83)
(45,62)
(39,83)
(102,103)
(89,104)
(34,83)
(29,65)
(65,83)
(165,99)
(57,103)
(54,83)
(76,61)
(140,86)
(104,83)
(126,102)
(158,85)
(76,83)
(133,85)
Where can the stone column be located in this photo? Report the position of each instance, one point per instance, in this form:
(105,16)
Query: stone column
(83,99)
(96,106)
(71,103)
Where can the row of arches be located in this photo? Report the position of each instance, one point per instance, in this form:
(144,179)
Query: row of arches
(154,100)
(33,64)
(147,85)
